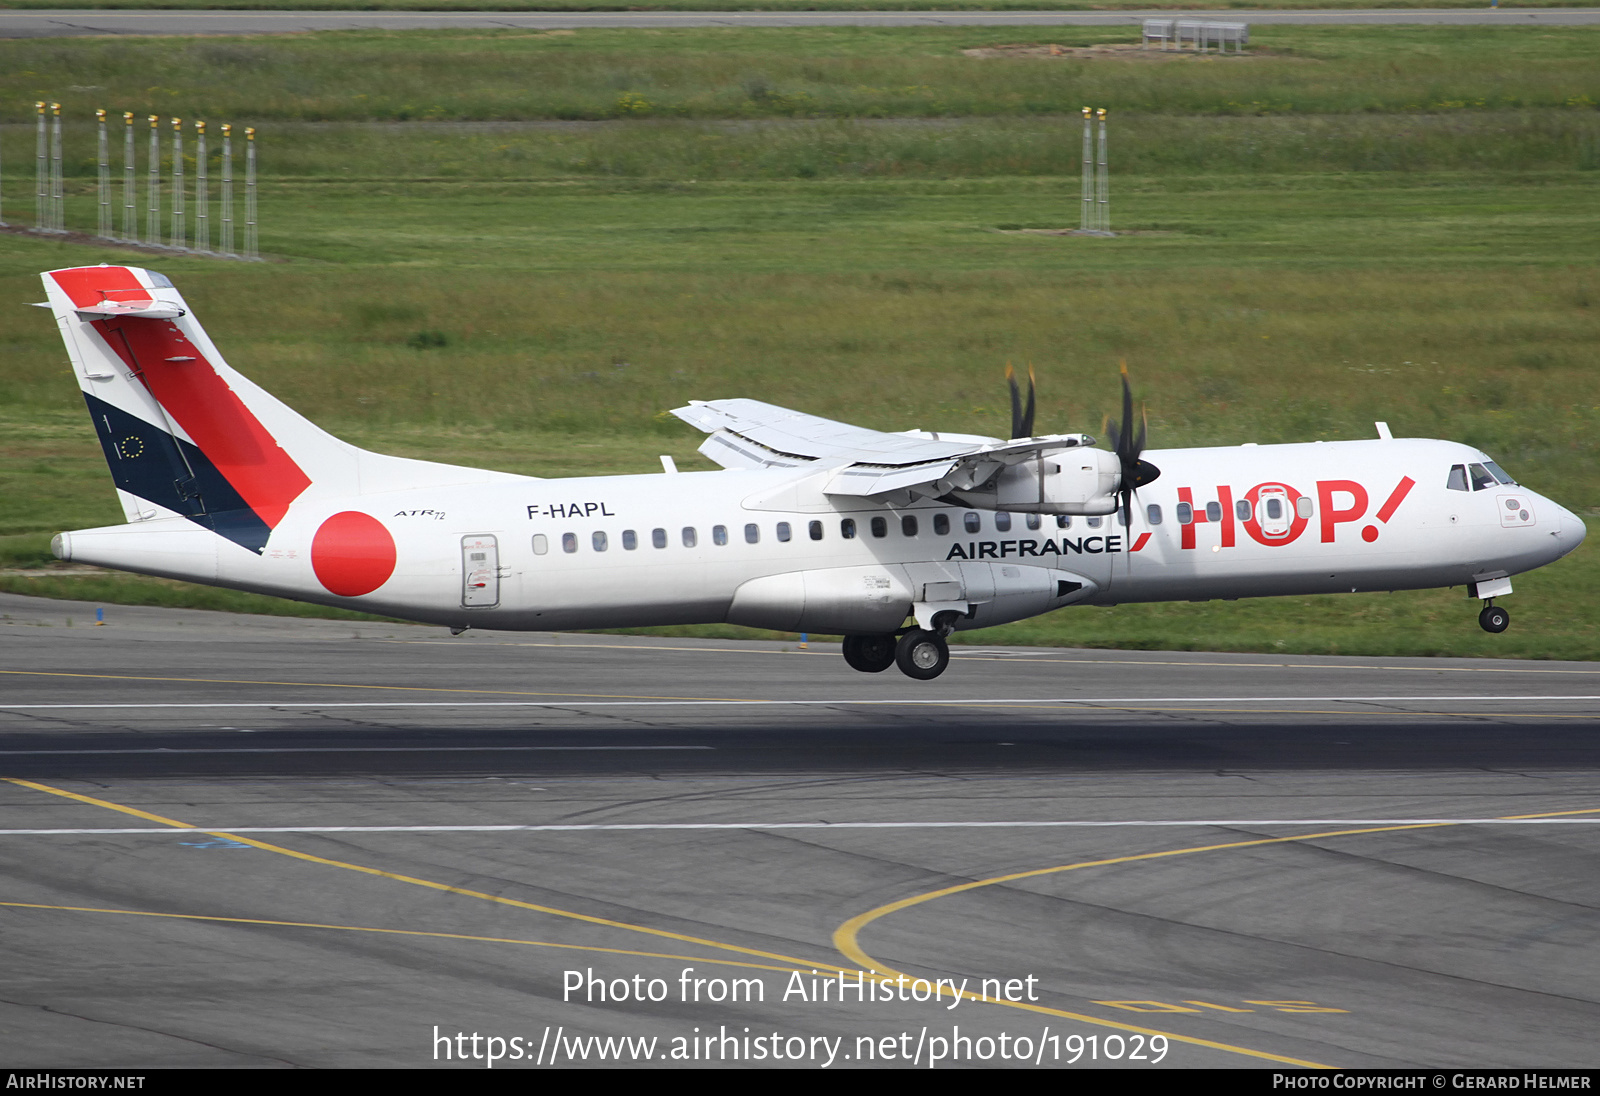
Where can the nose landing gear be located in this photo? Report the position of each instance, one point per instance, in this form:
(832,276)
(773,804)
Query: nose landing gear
(1493,618)
(922,655)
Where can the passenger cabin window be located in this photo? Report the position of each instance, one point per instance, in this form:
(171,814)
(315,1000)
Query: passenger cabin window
(1241,509)
(1213,511)
(1002,522)
(816,530)
(690,537)
(941,525)
(783,532)
(971,522)
(658,538)
(908,525)
(1303,506)
(1032,521)
(880,527)
(752,534)
(630,540)
(599,541)
(541,544)
(847,528)
(1274,508)
(1093,523)
(1185,514)
(719,534)
(1064,521)
(1122,517)
(569,542)
(1153,512)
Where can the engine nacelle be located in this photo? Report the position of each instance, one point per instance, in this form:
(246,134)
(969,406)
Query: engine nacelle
(1060,481)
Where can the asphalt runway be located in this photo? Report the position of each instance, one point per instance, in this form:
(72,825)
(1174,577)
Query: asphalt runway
(250,841)
(68,23)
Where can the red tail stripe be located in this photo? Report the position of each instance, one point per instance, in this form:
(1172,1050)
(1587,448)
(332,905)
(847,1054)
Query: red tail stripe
(212,414)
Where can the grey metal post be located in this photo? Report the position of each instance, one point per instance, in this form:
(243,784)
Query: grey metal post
(152,200)
(250,251)
(1103,179)
(130,214)
(202,193)
(105,178)
(180,232)
(227,189)
(58,219)
(41,173)
(1086,216)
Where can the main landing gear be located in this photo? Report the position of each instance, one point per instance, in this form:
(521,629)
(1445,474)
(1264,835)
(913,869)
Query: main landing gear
(920,653)
(1493,618)
(869,654)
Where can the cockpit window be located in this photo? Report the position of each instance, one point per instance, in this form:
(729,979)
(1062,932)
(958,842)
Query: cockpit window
(1499,473)
(1458,478)
(1481,479)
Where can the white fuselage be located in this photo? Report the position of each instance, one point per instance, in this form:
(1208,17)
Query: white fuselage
(613,551)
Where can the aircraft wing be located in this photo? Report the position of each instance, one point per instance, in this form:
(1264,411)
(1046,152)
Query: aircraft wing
(752,434)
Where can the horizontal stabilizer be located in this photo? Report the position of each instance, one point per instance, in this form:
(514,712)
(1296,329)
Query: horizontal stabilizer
(140,310)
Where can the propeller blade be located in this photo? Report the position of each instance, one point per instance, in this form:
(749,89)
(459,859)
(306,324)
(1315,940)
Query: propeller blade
(1127,414)
(1016,403)
(1127,442)
(1027,415)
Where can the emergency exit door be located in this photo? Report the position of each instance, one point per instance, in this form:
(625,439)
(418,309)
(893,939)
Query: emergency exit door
(480,572)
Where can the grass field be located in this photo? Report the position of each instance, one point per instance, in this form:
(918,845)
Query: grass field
(1296,271)
(848,72)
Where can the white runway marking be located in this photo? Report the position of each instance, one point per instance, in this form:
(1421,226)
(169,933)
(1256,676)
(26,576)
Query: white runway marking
(647,826)
(714,703)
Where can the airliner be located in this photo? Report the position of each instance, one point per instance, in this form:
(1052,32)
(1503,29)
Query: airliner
(892,540)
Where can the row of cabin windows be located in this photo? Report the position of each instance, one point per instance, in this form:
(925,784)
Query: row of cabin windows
(1273,508)
(878,526)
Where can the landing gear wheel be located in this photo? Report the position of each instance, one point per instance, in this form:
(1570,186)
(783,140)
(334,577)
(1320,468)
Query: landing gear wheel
(869,654)
(1494,619)
(922,655)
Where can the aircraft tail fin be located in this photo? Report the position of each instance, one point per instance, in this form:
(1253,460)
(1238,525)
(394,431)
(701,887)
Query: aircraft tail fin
(183,432)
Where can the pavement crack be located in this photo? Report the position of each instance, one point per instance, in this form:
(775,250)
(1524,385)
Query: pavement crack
(151,1031)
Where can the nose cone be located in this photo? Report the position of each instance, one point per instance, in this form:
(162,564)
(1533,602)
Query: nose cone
(1569,532)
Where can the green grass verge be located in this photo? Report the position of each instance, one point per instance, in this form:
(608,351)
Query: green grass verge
(853,72)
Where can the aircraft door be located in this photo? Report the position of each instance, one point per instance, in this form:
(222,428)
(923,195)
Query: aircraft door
(480,572)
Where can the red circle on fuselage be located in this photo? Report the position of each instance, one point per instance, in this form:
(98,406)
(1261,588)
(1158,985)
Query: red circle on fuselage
(352,554)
